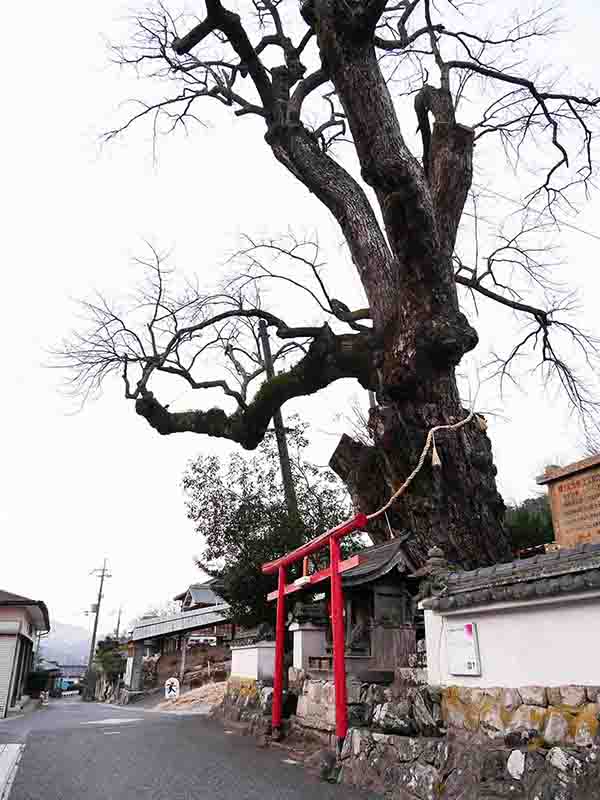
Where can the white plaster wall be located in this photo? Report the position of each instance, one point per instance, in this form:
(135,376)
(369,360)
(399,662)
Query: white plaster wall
(546,643)
(255,661)
(309,642)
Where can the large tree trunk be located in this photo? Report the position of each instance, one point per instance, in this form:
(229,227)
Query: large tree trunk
(421,332)
(455,506)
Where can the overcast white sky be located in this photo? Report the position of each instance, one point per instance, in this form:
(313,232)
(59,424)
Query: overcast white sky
(76,488)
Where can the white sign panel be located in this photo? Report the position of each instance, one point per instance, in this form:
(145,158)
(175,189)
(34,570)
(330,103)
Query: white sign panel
(128,671)
(463,649)
(171,689)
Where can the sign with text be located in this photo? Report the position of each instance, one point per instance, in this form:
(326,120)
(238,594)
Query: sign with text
(171,689)
(463,649)
(575,505)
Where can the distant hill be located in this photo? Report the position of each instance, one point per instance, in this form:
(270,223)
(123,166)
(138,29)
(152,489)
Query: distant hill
(67,644)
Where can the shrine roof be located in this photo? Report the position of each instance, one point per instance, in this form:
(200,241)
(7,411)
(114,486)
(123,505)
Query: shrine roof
(558,572)
(375,562)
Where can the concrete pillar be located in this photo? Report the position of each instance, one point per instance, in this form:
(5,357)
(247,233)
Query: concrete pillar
(136,667)
(255,662)
(184,644)
(309,642)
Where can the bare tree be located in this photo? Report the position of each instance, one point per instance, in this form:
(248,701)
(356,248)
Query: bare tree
(320,75)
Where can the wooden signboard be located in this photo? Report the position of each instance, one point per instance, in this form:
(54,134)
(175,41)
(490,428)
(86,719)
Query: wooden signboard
(575,502)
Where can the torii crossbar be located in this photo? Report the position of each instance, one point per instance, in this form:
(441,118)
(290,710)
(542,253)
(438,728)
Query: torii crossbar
(336,567)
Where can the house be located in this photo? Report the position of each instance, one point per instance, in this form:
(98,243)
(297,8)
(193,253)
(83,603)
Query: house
(21,620)
(199,595)
(203,619)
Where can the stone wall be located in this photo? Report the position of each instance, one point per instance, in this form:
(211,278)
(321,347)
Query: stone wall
(555,716)
(410,741)
(564,715)
(405,707)
(469,768)
(249,702)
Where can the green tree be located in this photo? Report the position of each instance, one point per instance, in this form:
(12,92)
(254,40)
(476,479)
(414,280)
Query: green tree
(529,523)
(238,507)
(109,654)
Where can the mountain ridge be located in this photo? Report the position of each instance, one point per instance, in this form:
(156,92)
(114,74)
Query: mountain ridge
(66,644)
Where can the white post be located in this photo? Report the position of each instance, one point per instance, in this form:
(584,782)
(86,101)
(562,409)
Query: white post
(309,642)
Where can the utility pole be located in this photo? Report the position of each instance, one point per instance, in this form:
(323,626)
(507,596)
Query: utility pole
(284,455)
(118,623)
(103,574)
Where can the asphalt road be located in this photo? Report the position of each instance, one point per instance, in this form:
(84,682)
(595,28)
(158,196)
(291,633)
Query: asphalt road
(86,751)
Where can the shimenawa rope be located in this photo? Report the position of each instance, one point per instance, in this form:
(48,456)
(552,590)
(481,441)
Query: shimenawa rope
(435,460)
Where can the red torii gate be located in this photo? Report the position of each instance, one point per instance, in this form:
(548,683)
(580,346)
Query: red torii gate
(334,571)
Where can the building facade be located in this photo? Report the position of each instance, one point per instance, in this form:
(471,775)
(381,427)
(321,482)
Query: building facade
(21,620)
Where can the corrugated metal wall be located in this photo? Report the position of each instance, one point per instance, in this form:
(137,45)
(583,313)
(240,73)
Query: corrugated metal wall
(7,653)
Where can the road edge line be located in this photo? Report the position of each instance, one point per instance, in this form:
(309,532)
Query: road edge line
(6,789)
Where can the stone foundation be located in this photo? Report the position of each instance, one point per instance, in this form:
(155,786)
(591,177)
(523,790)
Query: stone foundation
(404,707)
(469,768)
(563,715)
(415,742)
(250,703)
(555,716)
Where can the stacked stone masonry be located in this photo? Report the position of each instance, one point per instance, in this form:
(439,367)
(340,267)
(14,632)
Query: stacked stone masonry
(409,741)
(472,768)
(250,703)
(563,715)
(404,707)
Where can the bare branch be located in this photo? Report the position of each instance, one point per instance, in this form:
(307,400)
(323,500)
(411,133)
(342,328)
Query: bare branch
(328,359)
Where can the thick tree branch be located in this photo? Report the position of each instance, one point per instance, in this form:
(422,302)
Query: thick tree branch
(475,285)
(328,359)
(299,152)
(304,88)
(183,373)
(228,23)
